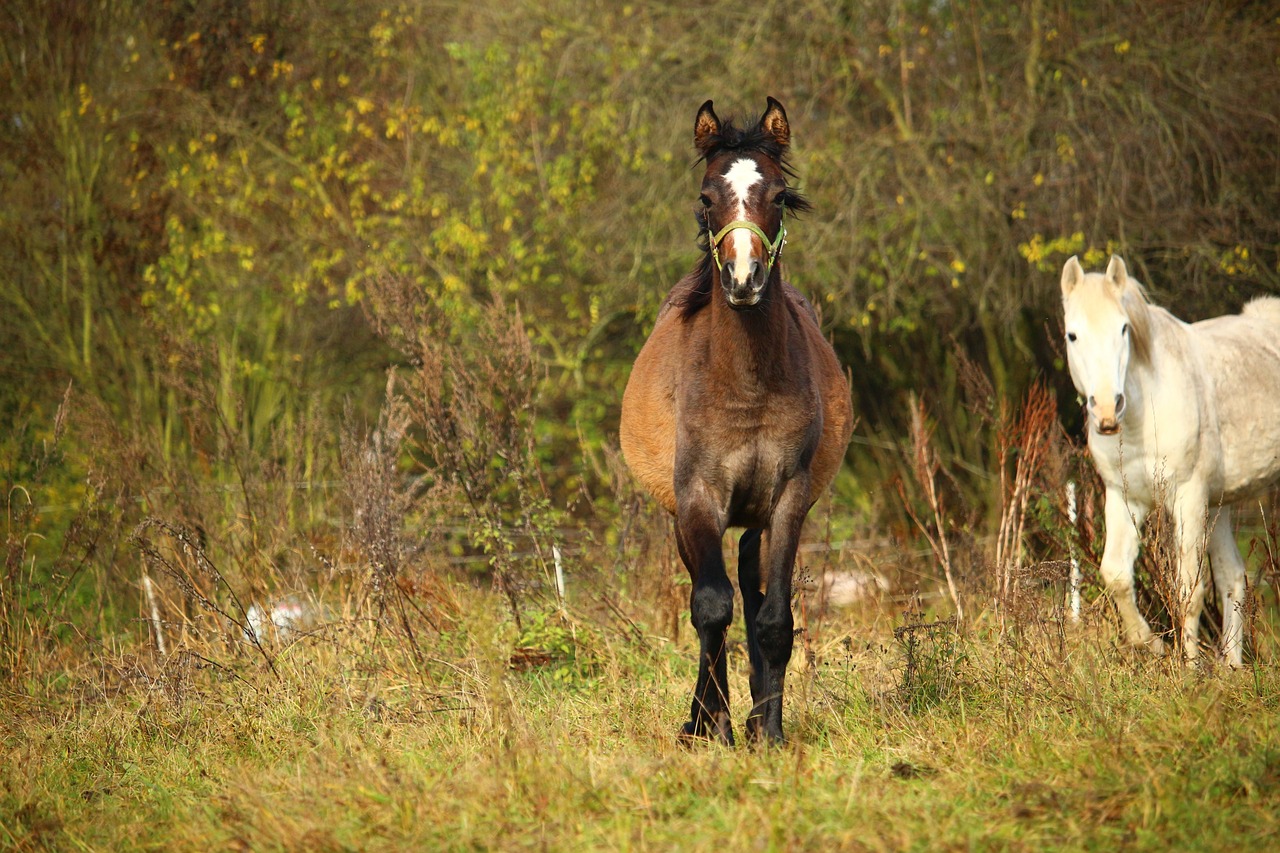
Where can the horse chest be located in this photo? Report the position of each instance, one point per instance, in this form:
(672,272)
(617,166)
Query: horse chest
(750,478)
(1123,467)
(745,449)
(756,420)
(1151,458)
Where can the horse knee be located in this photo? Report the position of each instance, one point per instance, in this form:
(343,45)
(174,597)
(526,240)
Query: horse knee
(775,628)
(711,606)
(1117,576)
(1230,582)
(1193,590)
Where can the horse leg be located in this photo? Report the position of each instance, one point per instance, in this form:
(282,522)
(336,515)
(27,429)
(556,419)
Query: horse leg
(1124,520)
(698,535)
(775,625)
(1190,511)
(749,584)
(1229,577)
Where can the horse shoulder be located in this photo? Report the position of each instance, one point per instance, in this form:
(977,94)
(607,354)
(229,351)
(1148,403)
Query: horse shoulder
(833,388)
(1179,433)
(821,352)
(800,303)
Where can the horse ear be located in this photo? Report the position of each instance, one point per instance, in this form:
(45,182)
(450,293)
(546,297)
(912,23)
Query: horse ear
(706,127)
(1072,275)
(774,123)
(1117,275)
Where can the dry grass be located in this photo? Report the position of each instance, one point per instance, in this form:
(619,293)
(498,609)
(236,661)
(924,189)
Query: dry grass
(351,748)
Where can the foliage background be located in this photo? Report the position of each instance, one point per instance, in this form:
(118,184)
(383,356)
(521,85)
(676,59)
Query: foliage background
(224,220)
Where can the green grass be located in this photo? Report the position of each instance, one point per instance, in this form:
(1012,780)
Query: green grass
(360,745)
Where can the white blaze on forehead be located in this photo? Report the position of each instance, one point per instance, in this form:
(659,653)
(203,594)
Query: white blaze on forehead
(741,177)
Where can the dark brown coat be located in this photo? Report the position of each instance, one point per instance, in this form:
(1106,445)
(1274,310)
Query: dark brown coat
(737,414)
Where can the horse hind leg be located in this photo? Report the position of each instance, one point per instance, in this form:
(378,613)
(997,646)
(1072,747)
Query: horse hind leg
(1229,578)
(711,611)
(752,598)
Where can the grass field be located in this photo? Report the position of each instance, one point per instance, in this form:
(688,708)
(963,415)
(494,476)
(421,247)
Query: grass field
(1033,735)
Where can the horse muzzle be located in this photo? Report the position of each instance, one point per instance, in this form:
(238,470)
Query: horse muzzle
(743,296)
(1108,418)
(746,293)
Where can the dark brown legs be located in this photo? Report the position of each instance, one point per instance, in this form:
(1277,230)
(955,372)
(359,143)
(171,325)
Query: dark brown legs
(752,598)
(711,609)
(770,624)
(766,562)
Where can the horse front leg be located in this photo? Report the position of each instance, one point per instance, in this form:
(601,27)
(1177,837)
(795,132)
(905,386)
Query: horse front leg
(1190,510)
(1124,520)
(698,536)
(774,623)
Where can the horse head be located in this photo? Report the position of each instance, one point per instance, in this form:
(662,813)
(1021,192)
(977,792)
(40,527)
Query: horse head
(744,198)
(1105,320)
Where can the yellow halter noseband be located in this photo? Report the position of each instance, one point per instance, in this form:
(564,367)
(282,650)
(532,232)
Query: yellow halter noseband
(773,246)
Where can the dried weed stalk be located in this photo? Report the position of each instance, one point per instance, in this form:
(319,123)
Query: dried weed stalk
(183,562)
(933,657)
(382,498)
(926,466)
(471,398)
(1023,442)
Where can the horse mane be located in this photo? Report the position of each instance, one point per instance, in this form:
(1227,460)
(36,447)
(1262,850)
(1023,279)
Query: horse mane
(693,291)
(1140,310)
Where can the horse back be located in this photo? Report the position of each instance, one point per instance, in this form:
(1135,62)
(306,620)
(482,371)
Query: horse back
(1240,355)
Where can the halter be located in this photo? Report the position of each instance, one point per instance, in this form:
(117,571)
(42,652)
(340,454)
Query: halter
(774,246)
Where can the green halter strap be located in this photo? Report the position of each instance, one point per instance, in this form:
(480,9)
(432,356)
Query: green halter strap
(773,246)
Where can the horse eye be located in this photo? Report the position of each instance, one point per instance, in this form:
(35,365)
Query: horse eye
(781,199)
(706,201)
(1071,336)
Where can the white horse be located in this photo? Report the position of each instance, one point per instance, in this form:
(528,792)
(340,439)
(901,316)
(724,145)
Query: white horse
(1187,415)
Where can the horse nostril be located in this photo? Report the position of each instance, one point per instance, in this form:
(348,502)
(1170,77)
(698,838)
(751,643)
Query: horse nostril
(727,270)
(1092,401)
(755,269)
(1119,403)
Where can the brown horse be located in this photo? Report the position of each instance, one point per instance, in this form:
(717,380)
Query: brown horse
(737,414)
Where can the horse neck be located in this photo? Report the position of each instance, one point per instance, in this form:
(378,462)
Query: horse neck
(1157,372)
(752,344)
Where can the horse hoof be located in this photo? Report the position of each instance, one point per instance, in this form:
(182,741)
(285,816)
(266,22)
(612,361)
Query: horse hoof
(1148,643)
(692,733)
(759,734)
